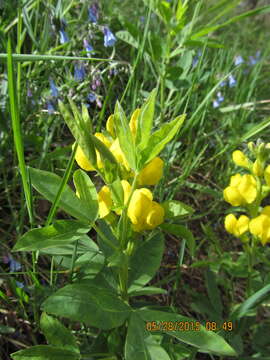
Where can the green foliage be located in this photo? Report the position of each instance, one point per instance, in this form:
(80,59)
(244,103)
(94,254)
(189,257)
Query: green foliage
(47,184)
(89,303)
(60,233)
(45,352)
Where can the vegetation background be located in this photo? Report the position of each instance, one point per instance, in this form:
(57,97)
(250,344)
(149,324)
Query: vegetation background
(218,75)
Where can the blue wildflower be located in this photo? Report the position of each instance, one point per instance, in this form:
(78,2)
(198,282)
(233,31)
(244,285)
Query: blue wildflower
(19,284)
(88,47)
(93,14)
(63,36)
(54,90)
(13,264)
(50,108)
(109,38)
(79,72)
(222,84)
(238,60)
(215,104)
(232,81)
(254,59)
(218,100)
(91,97)
(220,97)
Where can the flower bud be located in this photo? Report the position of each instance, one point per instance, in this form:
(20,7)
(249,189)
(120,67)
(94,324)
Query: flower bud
(82,160)
(110,126)
(236,227)
(155,216)
(260,227)
(140,205)
(104,201)
(257,168)
(133,124)
(152,172)
(240,159)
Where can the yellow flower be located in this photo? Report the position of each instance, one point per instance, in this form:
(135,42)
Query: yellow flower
(267,175)
(260,226)
(240,159)
(118,154)
(82,160)
(127,190)
(107,143)
(144,213)
(140,205)
(104,201)
(155,216)
(236,227)
(152,172)
(242,190)
(133,124)
(110,126)
(257,168)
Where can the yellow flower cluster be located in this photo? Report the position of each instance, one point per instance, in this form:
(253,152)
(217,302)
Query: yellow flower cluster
(242,190)
(149,175)
(143,212)
(248,190)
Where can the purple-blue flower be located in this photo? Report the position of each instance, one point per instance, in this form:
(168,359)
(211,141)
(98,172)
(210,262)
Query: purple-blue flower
(50,108)
(54,90)
(254,59)
(88,47)
(91,97)
(13,264)
(63,36)
(232,81)
(79,72)
(195,59)
(218,100)
(238,60)
(215,104)
(109,38)
(20,284)
(93,14)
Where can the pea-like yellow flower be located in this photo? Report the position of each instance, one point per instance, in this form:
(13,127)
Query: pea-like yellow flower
(152,172)
(127,190)
(242,190)
(82,160)
(133,124)
(110,127)
(235,226)
(144,213)
(260,226)
(104,201)
(155,216)
(267,175)
(118,154)
(240,159)
(257,168)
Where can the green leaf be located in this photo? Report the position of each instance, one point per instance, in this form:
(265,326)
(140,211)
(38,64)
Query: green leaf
(124,134)
(47,184)
(89,303)
(176,209)
(117,193)
(80,130)
(127,38)
(205,341)
(84,244)
(60,233)
(57,334)
(160,138)
(142,271)
(107,232)
(145,121)
(252,302)
(213,292)
(183,232)
(87,192)
(135,346)
(149,290)
(45,352)
(90,263)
